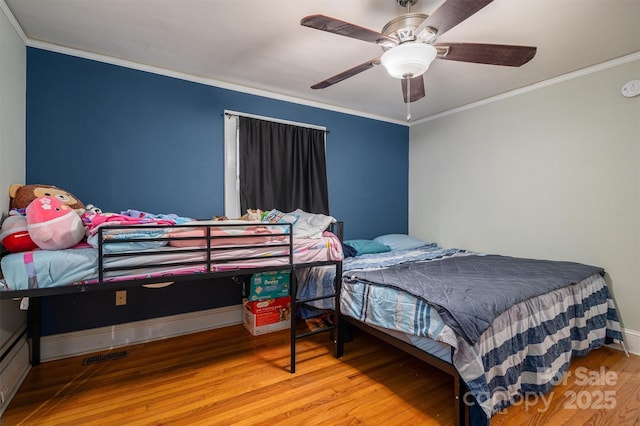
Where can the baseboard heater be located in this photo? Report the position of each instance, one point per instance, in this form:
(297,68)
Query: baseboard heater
(13,344)
(14,366)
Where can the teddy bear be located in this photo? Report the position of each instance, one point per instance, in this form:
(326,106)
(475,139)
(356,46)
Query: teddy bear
(22,195)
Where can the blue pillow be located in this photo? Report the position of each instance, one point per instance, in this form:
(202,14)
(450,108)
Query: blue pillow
(399,241)
(367,246)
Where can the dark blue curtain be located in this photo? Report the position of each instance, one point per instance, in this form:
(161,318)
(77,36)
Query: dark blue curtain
(282,167)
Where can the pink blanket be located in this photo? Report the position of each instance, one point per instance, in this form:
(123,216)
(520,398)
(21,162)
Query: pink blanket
(226,235)
(94,221)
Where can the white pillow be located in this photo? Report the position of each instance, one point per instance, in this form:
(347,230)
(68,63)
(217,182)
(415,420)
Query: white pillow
(310,225)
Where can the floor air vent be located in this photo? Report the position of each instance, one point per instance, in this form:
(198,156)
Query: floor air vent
(104,357)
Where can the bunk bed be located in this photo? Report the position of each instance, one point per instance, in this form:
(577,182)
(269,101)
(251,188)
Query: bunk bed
(502,327)
(120,255)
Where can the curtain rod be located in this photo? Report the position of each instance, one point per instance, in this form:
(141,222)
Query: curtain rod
(276,120)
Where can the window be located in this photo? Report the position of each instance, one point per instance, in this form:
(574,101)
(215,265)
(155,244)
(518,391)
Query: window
(273,164)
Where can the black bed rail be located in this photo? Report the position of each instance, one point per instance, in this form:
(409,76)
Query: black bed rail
(209,249)
(109,283)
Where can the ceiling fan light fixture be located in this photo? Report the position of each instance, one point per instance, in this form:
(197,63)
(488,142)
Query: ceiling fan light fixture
(409,59)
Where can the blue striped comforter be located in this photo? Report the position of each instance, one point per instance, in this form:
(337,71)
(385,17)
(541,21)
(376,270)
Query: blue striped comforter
(526,348)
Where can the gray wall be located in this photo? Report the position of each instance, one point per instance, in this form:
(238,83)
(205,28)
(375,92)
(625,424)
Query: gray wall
(549,173)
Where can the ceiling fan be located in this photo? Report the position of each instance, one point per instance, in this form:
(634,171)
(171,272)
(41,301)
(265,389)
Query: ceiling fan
(409,44)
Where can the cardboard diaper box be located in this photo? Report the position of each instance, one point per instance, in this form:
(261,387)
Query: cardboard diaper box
(267,285)
(265,316)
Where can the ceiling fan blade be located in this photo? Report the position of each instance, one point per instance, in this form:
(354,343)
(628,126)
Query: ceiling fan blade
(347,29)
(492,54)
(346,74)
(450,14)
(416,89)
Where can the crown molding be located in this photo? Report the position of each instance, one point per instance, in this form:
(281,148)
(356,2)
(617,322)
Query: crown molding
(12,20)
(562,78)
(277,96)
(201,80)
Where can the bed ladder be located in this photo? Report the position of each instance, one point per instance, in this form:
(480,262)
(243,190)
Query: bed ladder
(338,229)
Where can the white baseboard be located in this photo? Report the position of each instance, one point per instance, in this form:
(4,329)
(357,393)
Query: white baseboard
(87,341)
(13,370)
(105,338)
(631,341)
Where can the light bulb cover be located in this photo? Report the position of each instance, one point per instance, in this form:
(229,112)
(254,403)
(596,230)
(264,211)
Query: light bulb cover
(409,59)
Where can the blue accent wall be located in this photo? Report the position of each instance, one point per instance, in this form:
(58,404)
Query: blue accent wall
(121,138)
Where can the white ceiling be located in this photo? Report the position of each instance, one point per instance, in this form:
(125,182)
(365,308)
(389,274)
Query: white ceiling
(260,44)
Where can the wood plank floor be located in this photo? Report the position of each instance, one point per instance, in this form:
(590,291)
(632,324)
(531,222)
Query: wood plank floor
(227,376)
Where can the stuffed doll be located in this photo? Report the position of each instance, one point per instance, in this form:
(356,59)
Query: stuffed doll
(14,234)
(253,215)
(22,195)
(53,225)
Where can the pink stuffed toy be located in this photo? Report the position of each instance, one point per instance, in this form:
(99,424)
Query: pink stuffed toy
(53,225)
(14,234)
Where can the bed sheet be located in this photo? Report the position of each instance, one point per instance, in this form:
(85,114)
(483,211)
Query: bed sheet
(440,350)
(394,310)
(320,281)
(55,268)
(248,232)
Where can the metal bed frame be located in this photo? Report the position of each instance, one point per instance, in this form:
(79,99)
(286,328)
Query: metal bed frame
(34,325)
